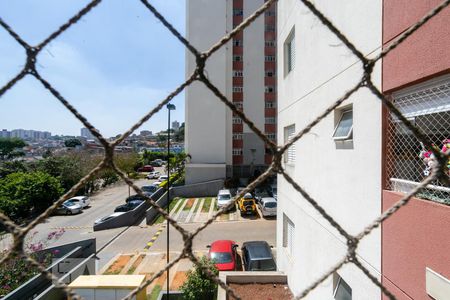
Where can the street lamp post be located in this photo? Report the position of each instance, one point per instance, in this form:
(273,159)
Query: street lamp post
(169,108)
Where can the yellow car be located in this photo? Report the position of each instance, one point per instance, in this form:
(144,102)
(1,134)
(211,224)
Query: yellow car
(247,205)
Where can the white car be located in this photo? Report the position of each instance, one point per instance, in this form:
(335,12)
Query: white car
(157,183)
(104,219)
(163,178)
(153,175)
(268,206)
(224,198)
(83,201)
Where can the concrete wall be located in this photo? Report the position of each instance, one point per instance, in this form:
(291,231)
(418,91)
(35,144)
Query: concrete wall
(78,254)
(208,121)
(196,173)
(423,54)
(414,238)
(344,177)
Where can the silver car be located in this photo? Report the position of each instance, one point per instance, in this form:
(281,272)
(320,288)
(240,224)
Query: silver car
(224,198)
(68,208)
(268,207)
(83,201)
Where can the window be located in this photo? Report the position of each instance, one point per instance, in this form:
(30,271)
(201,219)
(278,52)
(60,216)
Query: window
(270,73)
(289,52)
(238,12)
(237,136)
(237,73)
(344,128)
(270,104)
(341,290)
(269,58)
(237,57)
(237,120)
(239,105)
(271,136)
(269,13)
(237,43)
(289,133)
(269,27)
(237,151)
(237,89)
(288,234)
(270,43)
(269,89)
(271,120)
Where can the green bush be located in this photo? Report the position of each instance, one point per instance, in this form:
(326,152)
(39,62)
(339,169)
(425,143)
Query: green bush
(23,193)
(198,285)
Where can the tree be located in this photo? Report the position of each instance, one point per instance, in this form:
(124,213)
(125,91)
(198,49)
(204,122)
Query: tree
(72,143)
(9,148)
(14,166)
(198,285)
(22,194)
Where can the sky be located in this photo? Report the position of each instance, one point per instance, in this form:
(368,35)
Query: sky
(114,65)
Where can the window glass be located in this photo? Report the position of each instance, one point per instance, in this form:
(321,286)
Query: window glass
(344,128)
(221,257)
(343,291)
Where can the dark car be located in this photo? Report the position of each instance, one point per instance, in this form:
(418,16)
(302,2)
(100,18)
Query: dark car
(257,256)
(130,205)
(138,197)
(149,188)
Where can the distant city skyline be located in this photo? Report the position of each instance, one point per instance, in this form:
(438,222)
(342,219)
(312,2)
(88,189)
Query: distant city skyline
(107,66)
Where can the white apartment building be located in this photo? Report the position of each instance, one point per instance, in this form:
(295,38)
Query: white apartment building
(339,161)
(244,70)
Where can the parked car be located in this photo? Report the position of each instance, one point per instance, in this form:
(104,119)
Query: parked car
(157,183)
(239,190)
(104,219)
(138,197)
(149,188)
(83,201)
(153,175)
(224,198)
(130,205)
(261,193)
(273,191)
(223,254)
(268,206)
(257,256)
(163,178)
(157,163)
(247,205)
(68,208)
(146,168)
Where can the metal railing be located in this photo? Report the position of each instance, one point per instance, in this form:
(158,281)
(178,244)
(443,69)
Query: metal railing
(365,82)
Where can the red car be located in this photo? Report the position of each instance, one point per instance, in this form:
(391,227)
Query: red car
(146,168)
(223,253)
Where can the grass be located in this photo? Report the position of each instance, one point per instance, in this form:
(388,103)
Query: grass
(206,204)
(155,293)
(189,204)
(174,201)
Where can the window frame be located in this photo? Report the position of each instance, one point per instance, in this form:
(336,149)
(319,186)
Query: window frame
(288,243)
(338,284)
(349,135)
(289,52)
(290,154)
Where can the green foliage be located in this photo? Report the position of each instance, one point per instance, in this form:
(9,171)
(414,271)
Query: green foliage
(23,193)
(72,143)
(127,162)
(9,148)
(14,166)
(198,285)
(17,270)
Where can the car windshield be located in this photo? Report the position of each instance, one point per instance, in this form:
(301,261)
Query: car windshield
(263,265)
(270,204)
(224,197)
(248,202)
(69,203)
(221,257)
(148,188)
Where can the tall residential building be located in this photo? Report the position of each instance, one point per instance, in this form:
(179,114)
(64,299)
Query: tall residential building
(361,159)
(244,70)
(175,125)
(86,134)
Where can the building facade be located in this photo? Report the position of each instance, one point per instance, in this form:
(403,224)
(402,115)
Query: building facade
(365,160)
(339,161)
(244,70)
